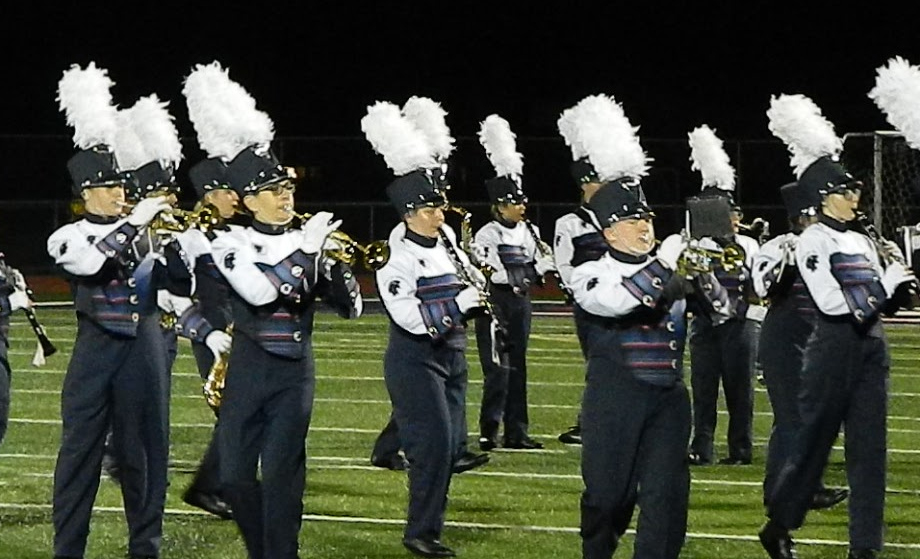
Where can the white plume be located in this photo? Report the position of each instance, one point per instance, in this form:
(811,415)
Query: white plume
(84,97)
(609,140)
(402,145)
(496,136)
(798,122)
(897,94)
(224,114)
(709,158)
(147,133)
(429,117)
(569,132)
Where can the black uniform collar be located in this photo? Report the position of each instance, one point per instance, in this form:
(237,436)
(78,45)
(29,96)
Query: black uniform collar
(505,223)
(101,219)
(270,229)
(628,258)
(833,223)
(421,240)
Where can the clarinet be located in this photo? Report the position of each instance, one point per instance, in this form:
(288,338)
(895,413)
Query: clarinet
(465,274)
(545,250)
(907,295)
(39,330)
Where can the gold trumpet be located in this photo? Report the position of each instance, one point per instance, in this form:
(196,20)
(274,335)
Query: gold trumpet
(695,260)
(348,251)
(205,217)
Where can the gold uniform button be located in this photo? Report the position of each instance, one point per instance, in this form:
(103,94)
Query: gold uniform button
(135,317)
(297,336)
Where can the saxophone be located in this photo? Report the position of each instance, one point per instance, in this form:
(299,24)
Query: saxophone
(217,377)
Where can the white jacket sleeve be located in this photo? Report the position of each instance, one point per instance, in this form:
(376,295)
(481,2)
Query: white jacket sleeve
(599,290)
(488,239)
(812,256)
(75,251)
(768,263)
(235,258)
(396,284)
(563,250)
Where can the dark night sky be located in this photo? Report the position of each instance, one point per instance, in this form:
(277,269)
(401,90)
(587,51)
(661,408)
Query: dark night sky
(315,68)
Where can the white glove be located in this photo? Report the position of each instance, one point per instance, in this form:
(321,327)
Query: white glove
(315,231)
(895,274)
(218,342)
(172,303)
(19,300)
(146,210)
(478,253)
(545,263)
(670,249)
(468,299)
(891,249)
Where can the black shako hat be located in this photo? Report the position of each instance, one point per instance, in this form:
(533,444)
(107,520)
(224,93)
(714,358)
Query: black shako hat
(149,178)
(798,201)
(618,200)
(583,172)
(254,169)
(209,174)
(505,190)
(415,190)
(92,168)
(827,176)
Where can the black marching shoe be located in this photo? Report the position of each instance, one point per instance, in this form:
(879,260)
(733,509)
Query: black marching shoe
(697,459)
(428,548)
(826,497)
(777,542)
(524,443)
(572,436)
(487,444)
(468,461)
(862,554)
(734,461)
(396,462)
(209,502)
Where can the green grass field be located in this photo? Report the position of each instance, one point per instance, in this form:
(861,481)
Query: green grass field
(521,505)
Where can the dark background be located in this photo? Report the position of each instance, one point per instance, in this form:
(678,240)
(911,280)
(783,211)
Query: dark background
(314,67)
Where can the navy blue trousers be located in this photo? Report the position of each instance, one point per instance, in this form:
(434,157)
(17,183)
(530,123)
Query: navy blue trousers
(120,382)
(722,353)
(504,388)
(782,346)
(634,450)
(427,387)
(844,382)
(264,416)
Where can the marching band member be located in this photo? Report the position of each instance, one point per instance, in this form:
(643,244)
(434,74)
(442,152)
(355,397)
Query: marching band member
(12,298)
(509,247)
(275,272)
(426,288)
(429,118)
(636,409)
(578,237)
(785,331)
(212,309)
(846,360)
(117,372)
(722,348)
